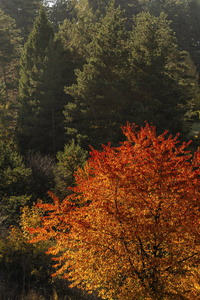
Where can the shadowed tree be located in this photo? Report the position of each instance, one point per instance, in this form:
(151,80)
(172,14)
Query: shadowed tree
(100,91)
(45,70)
(162,91)
(32,66)
(10,51)
(23,12)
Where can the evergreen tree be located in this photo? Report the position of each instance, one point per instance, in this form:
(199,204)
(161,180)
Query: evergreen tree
(134,79)
(10,50)
(185,22)
(69,160)
(46,69)
(61,10)
(48,134)
(14,178)
(33,61)
(4,113)
(95,115)
(130,8)
(193,38)
(23,12)
(162,92)
(79,33)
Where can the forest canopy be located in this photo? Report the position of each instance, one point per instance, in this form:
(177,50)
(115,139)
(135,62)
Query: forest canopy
(72,73)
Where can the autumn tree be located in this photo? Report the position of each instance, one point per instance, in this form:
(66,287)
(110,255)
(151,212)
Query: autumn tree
(135,231)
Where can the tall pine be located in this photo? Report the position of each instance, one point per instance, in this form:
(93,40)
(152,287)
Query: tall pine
(162,92)
(49,134)
(184,19)
(45,70)
(10,51)
(100,92)
(33,61)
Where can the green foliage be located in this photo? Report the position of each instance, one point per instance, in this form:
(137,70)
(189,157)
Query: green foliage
(13,182)
(185,21)
(79,32)
(61,10)
(32,66)
(10,41)
(12,170)
(130,8)
(46,69)
(58,72)
(23,266)
(23,12)
(33,56)
(7,114)
(162,91)
(10,49)
(69,161)
(3,112)
(100,89)
(134,76)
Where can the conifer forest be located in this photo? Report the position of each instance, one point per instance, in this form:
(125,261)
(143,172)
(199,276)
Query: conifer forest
(99,149)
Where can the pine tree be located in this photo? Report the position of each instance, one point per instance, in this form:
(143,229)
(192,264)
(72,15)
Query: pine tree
(138,78)
(184,19)
(100,91)
(32,67)
(78,33)
(161,91)
(61,10)
(58,70)
(14,178)
(46,69)
(69,160)
(23,12)
(10,50)
(130,8)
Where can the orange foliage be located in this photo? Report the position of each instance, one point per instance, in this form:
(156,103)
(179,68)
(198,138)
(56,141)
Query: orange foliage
(135,230)
(30,217)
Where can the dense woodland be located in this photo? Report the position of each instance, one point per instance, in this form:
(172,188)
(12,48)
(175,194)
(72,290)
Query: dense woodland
(72,72)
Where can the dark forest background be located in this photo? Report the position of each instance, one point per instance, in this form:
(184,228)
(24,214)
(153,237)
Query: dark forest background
(71,74)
